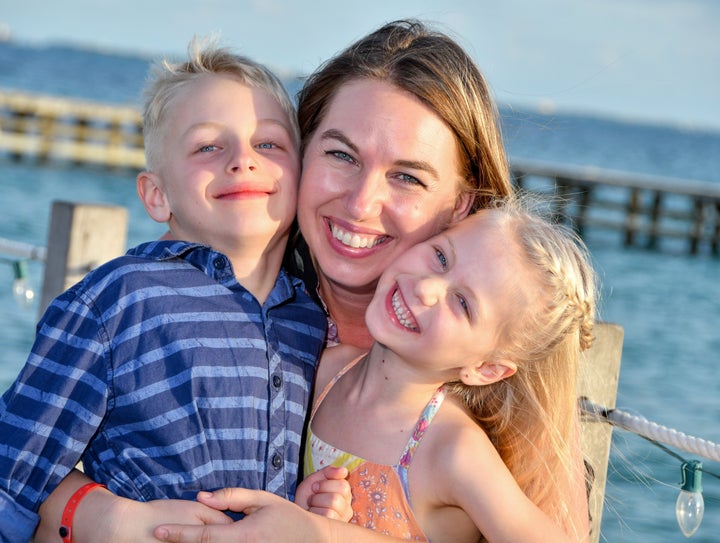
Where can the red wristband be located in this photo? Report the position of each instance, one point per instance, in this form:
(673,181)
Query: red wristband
(69,512)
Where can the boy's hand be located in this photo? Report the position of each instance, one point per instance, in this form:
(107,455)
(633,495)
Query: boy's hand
(327,493)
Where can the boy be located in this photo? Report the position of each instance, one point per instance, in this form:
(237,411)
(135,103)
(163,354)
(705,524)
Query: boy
(185,364)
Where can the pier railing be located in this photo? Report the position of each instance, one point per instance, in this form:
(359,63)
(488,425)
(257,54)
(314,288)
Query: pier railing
(78,131)
(647,211)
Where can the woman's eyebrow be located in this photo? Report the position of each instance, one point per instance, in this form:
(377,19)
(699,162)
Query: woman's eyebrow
(418,165)
(335,134)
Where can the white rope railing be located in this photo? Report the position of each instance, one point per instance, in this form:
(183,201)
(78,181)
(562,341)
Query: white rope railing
(651,430)
(22,250)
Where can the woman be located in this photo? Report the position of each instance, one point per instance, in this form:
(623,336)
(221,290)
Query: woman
(400,140)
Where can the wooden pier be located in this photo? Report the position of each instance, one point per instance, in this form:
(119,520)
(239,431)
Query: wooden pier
(647,211)
(47,128)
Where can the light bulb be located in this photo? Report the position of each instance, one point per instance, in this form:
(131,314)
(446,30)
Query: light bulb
(690,506)
(22,290)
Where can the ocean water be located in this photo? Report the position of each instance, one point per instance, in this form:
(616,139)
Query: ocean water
(667,302)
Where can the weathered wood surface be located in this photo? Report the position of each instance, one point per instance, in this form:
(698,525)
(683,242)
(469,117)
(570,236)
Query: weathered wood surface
(598,381)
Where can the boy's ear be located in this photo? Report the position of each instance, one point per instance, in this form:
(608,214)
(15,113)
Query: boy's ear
(463,204)
(153,197)
(486,373)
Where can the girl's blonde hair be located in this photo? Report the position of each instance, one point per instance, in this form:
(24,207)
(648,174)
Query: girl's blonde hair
(205,57)
(532,417)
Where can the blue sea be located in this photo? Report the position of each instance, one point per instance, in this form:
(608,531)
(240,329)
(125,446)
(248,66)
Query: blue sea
(667,302)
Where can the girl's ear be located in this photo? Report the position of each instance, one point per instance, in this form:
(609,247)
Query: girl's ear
(153,197)
(487,373)
(463,204)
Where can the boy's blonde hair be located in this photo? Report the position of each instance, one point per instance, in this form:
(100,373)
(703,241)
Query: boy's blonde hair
(532,417)
(205,57)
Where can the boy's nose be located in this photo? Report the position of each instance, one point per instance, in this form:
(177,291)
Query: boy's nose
(243,159)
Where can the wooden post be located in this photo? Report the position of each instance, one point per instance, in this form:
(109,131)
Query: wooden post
(80,238)
(597,381)
(655,217)
(634,216)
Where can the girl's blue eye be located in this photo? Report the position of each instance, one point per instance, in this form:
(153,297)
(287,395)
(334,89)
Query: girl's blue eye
(266,145)
(207,148)
(464,305)
(441,258)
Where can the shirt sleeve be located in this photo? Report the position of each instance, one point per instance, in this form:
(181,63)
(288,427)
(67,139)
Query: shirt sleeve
(52,410)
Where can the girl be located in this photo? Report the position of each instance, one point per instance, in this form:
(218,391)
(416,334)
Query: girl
(478,330)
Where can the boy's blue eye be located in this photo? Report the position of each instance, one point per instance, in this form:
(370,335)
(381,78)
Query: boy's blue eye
(441,258)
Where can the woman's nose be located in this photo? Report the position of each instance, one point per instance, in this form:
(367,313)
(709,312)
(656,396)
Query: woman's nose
(366,196)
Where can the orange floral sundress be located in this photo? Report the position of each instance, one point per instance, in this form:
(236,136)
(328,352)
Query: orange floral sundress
(381,500)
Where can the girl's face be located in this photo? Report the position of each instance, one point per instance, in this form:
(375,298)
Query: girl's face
(444,302)
(380,174)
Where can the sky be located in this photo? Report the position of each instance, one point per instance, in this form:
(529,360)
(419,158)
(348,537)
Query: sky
(654,61)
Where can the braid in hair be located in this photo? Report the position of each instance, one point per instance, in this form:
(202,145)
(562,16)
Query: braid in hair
(532,417)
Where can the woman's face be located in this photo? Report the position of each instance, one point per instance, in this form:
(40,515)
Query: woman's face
(380,174)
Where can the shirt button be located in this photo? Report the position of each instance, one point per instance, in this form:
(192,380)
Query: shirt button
(277,381)
(277,461)
(219,263)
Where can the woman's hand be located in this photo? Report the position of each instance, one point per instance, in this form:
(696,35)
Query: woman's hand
(269,518)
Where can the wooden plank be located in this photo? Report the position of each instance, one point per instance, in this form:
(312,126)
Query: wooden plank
(597,381)
(80,238)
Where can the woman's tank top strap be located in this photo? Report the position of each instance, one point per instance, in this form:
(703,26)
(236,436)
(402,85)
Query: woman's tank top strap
(332,381)
(423,422)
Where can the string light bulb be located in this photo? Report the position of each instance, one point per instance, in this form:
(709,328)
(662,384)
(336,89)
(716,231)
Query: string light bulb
(22,290)
(690,506)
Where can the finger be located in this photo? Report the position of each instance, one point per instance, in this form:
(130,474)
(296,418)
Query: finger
(333,472)
(235,499)
(331,505)
(333,486)
(183,533)
(327,512)
(212,516)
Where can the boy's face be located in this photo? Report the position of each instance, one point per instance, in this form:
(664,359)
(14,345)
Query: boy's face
(228,169)
(443,303)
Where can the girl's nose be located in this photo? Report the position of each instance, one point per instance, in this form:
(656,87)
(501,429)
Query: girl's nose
(430,290)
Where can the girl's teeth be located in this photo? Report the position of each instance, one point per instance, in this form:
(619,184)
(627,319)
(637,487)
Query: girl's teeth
(402,313)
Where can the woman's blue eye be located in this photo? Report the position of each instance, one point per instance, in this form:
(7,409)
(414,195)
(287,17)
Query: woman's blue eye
(266,145)
(441,258)
(411,180)
(342,155)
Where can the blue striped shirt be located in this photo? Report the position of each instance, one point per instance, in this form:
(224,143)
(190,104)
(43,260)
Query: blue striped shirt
(164,376)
